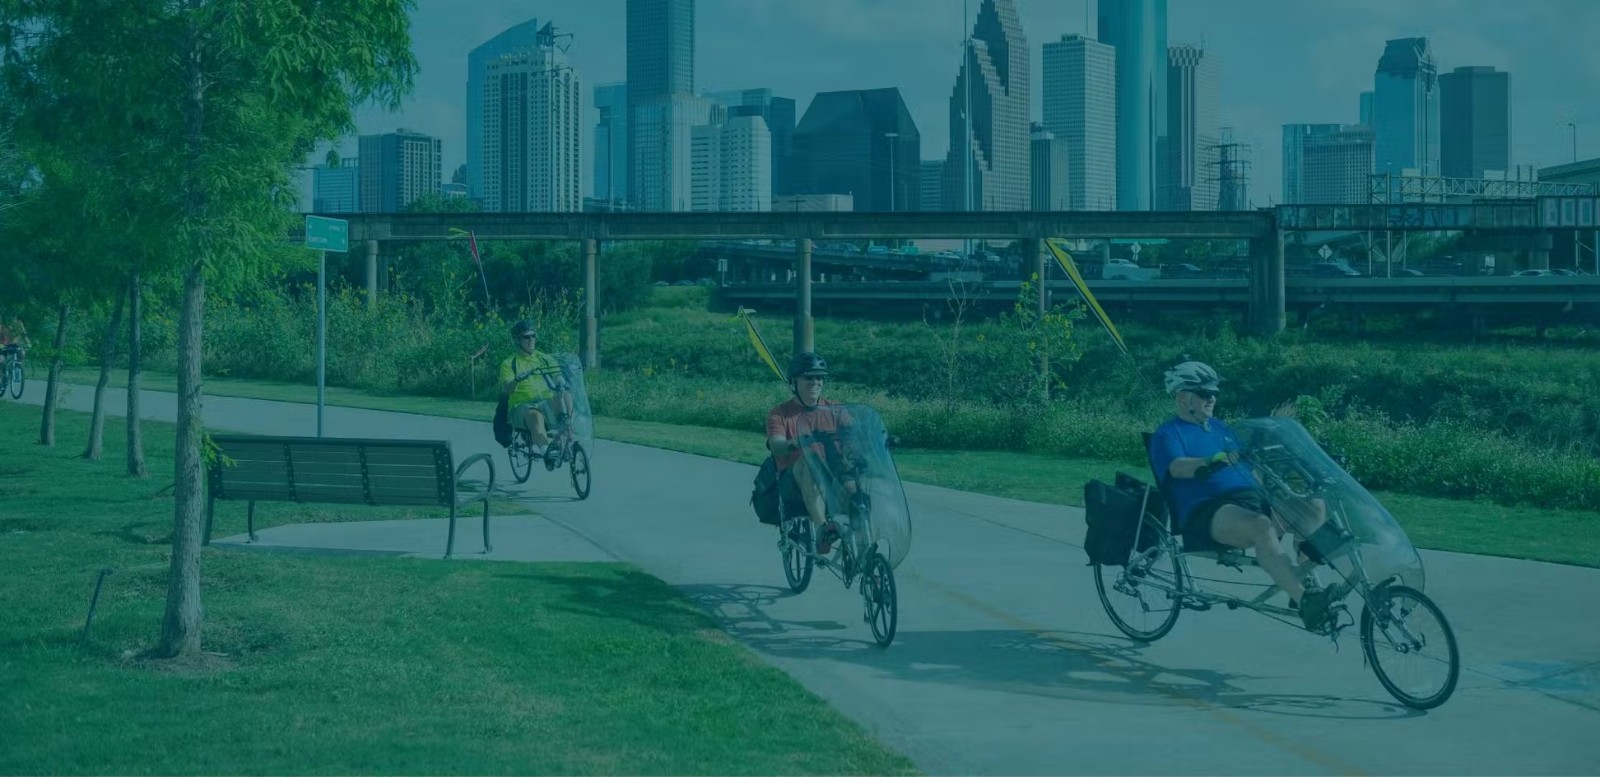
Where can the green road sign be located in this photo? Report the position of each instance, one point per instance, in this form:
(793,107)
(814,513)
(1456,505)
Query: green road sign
(325,234)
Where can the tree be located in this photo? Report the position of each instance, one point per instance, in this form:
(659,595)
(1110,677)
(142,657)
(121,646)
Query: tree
(224,98)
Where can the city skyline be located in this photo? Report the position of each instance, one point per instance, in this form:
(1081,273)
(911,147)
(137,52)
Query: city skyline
(1274,70)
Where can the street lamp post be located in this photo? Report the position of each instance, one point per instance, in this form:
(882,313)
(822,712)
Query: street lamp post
(891,136)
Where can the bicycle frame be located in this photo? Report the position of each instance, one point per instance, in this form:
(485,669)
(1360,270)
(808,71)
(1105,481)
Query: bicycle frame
(1186,593)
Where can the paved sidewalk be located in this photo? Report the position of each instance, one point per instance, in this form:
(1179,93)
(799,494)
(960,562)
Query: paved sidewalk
(1005,662)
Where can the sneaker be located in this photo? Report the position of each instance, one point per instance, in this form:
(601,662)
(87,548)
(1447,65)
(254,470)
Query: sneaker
(825,539)
(1315,605)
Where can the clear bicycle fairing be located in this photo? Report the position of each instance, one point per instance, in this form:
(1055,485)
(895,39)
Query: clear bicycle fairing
(1302,481)
(845,446)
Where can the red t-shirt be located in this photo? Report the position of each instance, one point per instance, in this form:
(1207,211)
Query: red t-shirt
(792,419)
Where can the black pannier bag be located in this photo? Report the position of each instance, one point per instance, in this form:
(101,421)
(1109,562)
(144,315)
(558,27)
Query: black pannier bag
(502,424)
(1112,514)
(764,494)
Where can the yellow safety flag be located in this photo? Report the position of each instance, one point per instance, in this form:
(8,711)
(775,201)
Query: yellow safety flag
(759,342)
(1071,269)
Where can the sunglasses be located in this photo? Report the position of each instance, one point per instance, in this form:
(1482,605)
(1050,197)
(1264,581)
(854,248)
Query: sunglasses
(1205,394)
(528,337)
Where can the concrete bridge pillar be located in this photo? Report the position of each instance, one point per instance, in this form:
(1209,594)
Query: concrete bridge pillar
(372,273)
(1268,295)
(591,325)
(804,332)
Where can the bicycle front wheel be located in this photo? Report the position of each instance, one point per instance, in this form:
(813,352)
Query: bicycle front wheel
(17,379)
(1410,646)
(579,467)
(880,601)
(1142,599)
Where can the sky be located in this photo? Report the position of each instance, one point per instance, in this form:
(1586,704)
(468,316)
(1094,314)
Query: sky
(1282,61)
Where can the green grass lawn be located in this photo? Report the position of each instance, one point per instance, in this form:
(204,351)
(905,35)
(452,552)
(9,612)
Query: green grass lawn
(359,664)
(1563,536)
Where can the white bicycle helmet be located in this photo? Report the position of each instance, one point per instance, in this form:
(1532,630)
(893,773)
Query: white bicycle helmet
(1192,376)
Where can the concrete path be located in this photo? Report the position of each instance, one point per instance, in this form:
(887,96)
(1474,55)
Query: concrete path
(1005,662)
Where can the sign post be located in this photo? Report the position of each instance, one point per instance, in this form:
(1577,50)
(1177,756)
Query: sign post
(324,235)
(1324,252)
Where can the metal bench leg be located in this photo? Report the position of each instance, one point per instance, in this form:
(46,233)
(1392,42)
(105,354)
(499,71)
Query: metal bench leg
(450,543)
(486,546)
(250,520)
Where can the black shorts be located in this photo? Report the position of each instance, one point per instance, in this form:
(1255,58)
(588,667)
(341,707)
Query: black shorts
(1197,528)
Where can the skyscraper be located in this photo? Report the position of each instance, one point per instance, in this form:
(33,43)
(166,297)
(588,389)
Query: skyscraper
(396,169)
(1051,171)
(1327,164)
(1475,122)
(863,143)
(1405,108)
(778,113)
(1337,165)
(1080,108)
(663,143)
(531,127)
(1193,129)
(932,185)
(660,52)
(732,164)
(1137,29)
(1366,108)
(992,163)
(336,189)
(611,142)
(521,36)
(1295,139)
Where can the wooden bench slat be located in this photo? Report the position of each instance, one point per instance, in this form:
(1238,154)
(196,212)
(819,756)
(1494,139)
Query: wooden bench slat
(316,468)
(403,470)
(411,456)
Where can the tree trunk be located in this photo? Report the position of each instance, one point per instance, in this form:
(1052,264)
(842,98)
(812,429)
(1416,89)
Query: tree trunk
(108,352)
(52,392)
(136,467)
(180,629)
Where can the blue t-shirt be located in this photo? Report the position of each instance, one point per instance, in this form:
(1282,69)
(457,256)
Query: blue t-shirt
(1177,439)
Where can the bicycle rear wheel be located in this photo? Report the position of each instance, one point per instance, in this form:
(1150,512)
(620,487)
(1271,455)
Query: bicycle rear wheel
(1410,646)
(18,377)
(1143,598)
(521,455)
(795,545)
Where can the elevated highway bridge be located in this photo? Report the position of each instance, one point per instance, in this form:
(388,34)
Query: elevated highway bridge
(1266,297)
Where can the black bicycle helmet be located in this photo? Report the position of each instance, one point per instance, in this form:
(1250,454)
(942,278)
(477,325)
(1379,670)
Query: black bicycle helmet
(807,363)
(523,327)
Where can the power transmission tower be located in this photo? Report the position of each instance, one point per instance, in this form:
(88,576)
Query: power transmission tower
(1228,168)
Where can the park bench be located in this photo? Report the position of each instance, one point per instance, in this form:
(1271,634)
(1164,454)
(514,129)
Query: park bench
(325,470)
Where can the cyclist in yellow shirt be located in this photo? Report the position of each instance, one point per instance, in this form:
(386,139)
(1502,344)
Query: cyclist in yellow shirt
(529,379)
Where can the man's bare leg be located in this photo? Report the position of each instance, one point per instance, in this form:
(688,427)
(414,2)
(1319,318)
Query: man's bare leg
(1238,527)
(535,424)
(811,493)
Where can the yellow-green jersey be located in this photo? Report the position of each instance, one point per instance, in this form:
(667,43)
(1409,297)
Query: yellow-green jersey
(540,385)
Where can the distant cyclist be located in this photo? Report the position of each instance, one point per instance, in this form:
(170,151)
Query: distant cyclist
(529,379)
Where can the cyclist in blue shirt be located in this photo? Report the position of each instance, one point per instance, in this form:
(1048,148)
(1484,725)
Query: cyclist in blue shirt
(1217,500)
